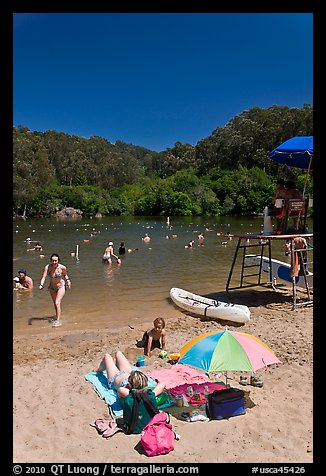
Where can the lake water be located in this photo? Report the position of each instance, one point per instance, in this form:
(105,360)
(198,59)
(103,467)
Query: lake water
(138,289)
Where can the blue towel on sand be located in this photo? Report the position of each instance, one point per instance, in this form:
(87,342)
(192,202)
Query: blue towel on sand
(100,383)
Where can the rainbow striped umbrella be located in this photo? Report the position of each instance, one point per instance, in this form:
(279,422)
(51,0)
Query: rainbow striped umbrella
(227,350)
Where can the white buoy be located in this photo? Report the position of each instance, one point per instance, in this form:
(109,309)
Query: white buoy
(77,251)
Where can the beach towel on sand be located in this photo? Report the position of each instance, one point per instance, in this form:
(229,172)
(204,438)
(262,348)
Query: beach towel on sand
(178,375)
(100,384)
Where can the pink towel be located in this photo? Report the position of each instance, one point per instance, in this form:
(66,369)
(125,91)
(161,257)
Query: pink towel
(177,375)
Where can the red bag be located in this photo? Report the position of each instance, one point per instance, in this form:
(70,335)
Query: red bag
(158,436)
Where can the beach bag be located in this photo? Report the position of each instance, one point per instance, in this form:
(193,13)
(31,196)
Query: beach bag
(163,400)
(157,438)
(225,404)
(138,409)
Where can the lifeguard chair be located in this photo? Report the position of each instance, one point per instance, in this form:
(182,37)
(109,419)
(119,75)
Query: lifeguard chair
(297,210)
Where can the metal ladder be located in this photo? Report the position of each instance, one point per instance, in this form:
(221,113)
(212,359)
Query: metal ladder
(263,243)
(244,266)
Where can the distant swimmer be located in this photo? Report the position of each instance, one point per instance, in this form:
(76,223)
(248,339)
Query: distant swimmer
(37,247)
(201,237)
(146,238)
(190,244)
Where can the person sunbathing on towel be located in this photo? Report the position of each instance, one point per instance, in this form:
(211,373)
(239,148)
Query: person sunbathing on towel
(122,378)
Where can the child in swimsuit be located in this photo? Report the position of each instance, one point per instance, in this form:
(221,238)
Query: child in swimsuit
(155,337)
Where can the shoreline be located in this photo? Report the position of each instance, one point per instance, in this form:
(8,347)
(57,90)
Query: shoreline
(54,408)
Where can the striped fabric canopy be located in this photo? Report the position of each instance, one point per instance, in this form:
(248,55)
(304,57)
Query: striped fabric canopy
(227,350)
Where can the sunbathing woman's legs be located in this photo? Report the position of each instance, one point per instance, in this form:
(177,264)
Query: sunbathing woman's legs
(109,365)
(122,362)
(122,367)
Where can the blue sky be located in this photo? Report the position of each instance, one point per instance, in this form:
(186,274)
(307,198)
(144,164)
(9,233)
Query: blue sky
(152,79)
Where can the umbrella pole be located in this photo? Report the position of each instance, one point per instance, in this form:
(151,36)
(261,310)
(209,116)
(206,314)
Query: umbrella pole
(307,174)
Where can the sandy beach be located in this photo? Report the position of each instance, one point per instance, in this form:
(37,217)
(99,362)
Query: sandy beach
(53,404)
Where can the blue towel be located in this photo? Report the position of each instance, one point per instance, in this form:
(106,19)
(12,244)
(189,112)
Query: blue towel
(100,383)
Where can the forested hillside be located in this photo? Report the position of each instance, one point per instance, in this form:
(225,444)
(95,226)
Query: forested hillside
(226,173)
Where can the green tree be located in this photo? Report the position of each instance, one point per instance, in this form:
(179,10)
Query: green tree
(180,204)
(32,170)
(226,172)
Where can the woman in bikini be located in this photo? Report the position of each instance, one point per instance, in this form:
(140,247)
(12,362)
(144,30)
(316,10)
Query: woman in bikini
(58,279)
(122,377)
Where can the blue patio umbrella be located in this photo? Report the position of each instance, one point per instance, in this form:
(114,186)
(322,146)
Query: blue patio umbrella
(295,152)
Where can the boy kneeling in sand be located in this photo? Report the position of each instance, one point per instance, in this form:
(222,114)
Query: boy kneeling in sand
(155,337)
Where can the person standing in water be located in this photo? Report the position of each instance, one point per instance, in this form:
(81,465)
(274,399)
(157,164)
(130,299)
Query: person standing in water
(108,253)
(59,278)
